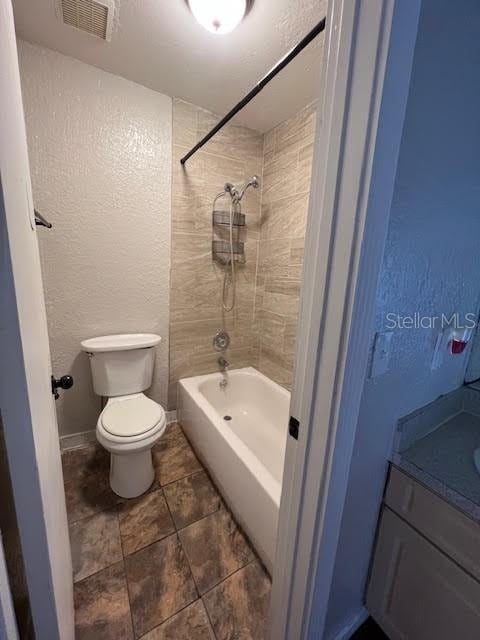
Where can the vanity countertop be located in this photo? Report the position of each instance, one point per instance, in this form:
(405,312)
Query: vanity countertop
(443,461)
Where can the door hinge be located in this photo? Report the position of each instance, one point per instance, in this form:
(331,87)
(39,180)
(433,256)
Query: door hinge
(293,427)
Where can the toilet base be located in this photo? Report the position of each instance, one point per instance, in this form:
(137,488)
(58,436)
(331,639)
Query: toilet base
(131,474)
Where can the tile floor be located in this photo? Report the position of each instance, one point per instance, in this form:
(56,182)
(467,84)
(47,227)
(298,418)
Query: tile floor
(170,565)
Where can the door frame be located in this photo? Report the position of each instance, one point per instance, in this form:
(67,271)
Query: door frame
(366,73)
(26,401)
(369,47)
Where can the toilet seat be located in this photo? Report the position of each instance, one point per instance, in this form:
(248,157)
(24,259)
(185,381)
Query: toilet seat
(131,416)
(142,423)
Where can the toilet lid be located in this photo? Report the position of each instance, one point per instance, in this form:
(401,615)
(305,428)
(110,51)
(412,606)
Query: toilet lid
(132,416)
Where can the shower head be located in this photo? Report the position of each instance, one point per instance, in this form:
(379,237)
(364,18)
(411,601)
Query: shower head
(253,182)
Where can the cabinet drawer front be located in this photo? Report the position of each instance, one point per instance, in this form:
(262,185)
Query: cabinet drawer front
(452,531)
(416,592)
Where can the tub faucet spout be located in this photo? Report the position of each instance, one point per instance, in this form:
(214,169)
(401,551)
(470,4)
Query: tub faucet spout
(224,364)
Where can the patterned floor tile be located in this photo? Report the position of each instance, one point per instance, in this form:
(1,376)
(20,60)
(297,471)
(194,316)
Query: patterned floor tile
(192,498)
(173,456)
(102,610)
(190,624)
(95,544)
(215,548)
(86,479)
(144,520)
(157,571)
(159,583)
(238,607)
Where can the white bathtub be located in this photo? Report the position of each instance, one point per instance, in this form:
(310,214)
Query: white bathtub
(244,455)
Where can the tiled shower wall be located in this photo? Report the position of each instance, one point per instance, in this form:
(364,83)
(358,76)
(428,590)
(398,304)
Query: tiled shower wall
(262,325)
(233,155)
(288,153)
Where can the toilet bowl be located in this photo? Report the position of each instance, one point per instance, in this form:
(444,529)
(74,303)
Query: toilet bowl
(130,423)
(128,427)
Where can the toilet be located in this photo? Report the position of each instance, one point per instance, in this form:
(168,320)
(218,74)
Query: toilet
(130,423)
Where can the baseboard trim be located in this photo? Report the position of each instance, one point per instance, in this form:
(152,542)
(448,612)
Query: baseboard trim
(74,440)
(349,629)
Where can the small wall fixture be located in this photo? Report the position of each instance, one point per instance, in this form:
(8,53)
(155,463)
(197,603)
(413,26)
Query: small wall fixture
(219,16)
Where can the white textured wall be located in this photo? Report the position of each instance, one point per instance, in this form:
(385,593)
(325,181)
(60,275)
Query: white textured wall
(431,265)
(100,159)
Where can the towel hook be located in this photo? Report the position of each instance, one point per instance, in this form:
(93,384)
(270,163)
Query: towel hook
(41,221)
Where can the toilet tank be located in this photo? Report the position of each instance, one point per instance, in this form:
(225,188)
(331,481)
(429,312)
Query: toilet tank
(121,364)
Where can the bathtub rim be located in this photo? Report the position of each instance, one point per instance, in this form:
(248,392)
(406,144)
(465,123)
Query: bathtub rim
(191,385)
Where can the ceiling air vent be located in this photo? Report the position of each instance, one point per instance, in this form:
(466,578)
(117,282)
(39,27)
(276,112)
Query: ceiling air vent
(91,16)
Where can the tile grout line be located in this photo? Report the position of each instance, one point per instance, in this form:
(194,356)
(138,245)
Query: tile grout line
(202,518)
(190,604)
(186,557)
(168,535)
(183,549)
(189,475)
(129,598)
(229,512)
(115,509)
(209,618)
(230,574)
(125,556)
(252,561)
(185,552)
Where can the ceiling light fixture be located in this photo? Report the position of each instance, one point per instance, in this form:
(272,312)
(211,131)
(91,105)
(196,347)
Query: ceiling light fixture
(219,16)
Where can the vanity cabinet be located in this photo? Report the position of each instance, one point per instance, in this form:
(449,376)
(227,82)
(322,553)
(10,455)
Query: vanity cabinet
(421,585)
(454,533)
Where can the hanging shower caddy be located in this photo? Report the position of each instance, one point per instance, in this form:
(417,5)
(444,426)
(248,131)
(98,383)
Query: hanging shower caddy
(221,251)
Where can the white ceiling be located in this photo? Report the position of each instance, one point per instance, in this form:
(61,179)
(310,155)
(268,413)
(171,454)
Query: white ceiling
(159,44)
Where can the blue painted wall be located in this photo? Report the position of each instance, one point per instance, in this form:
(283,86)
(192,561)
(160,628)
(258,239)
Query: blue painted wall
(431,265)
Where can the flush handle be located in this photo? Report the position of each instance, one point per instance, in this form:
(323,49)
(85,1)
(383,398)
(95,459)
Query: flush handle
(65,382)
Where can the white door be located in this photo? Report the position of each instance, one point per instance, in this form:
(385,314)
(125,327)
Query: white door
(26,402)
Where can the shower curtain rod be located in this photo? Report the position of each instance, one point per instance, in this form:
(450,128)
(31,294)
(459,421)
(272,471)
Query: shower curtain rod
(318,28)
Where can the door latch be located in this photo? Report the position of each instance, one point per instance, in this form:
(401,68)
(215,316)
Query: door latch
(293,427)
(65,382)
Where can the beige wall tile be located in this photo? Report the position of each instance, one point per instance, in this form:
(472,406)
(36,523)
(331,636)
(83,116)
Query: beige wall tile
(185,124)
(288,152)
(286,217)
(272,365)
(196,313)
(278,176)
(269,143)
(263,325)
(230,140)
(304,177)
(296,132)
